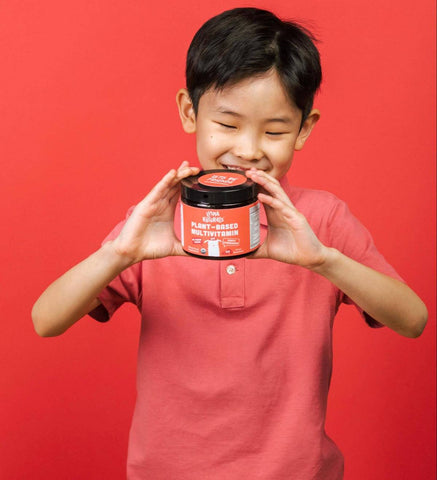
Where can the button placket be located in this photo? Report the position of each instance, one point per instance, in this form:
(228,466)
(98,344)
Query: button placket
(232,283)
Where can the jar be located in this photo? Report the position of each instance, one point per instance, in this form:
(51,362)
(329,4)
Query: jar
(219,214)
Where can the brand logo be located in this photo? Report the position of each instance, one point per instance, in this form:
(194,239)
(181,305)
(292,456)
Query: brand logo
(222,179)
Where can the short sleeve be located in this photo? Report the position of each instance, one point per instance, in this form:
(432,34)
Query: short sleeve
(126,287)
(351,238)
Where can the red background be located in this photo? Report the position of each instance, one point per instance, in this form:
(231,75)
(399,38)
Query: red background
(88,124)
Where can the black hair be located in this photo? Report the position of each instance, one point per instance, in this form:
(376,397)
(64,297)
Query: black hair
(245,42)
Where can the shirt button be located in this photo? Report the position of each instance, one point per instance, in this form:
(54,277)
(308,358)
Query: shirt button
(230,269)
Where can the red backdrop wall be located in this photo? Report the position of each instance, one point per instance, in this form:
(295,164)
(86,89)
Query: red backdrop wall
(88,124)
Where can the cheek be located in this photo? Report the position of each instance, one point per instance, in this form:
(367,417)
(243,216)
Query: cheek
(210,143)
(281,158)
(282,154)
(208,150)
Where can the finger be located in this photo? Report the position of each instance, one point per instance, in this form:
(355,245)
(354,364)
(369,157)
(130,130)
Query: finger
(172,178)
(288,212)
(261,173)
(269,184)
(184,163)
(263,178)
(161,189)
(168,186)
(271,202)
(173,195)
(168,189)
(186,171)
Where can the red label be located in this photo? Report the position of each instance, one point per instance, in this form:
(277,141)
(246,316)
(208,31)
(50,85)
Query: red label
(220,233)
(225,179)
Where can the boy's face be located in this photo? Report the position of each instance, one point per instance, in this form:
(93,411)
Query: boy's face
(249,124)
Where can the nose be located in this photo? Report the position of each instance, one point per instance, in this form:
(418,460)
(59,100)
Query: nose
(247,147)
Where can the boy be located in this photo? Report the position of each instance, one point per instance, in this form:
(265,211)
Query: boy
(234,358)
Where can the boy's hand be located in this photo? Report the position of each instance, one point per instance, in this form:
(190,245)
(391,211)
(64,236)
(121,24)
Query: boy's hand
(149,231)
(290,239)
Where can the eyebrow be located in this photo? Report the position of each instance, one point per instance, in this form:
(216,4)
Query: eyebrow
(228,112)
(268,120)
(279,119)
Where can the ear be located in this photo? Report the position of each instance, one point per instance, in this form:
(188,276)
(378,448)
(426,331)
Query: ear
(186,111)
(306,129)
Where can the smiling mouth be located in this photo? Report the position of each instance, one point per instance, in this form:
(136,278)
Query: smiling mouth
(236,167)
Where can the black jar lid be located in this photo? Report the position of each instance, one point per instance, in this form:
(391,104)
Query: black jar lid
(219,187)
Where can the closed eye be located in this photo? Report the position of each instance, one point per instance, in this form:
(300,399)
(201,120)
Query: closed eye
(226,125)
(276,133)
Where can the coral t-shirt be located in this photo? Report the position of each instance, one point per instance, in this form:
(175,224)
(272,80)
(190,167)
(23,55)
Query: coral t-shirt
(235,358)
